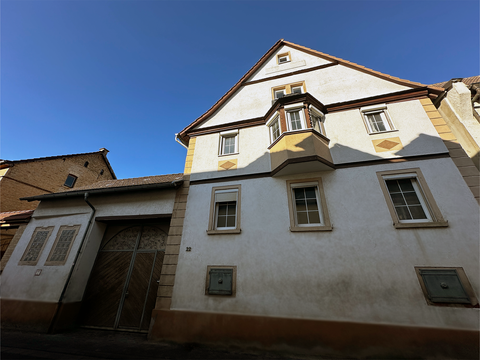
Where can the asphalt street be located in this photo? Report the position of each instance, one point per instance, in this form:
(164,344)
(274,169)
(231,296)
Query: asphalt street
(82,344)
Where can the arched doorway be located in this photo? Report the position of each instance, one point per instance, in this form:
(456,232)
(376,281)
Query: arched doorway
(122,288)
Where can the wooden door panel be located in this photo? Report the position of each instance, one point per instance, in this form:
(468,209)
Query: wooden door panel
(137,291)
(104,289)
(152,293)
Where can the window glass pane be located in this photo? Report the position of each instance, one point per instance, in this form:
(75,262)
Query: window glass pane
(314,217)
(229,145)
(376,122)
(310,193)
(300,204)
(299,193)
(222,209)
(37,244)
(297,90)
(403,213)
(231,221)
(312,205)
(397,199)
(302,218)
(231,209)
(63,244)
(406,185)
(417,212)
(392,186)
(279,94)
(221,221)
(411,198)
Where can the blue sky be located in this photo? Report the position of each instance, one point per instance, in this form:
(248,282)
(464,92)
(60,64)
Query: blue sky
(127,75)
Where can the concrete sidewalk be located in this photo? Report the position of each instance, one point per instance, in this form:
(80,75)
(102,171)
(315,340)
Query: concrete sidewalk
(100,344)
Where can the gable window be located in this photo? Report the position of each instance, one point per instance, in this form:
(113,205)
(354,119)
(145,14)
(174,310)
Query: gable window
(446,286)
(36,245)
(225,210)
(307,206)
(70,181)
(228,142)
(281,91)
(283,58)
(409,200)
(63,243)
(376,119)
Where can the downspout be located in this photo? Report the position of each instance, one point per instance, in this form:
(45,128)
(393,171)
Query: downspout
(62,295)
(180,142)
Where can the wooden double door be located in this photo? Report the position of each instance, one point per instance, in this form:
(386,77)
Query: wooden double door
(122,288)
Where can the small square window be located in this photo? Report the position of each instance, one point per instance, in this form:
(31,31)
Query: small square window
(308,208)
(71,179)
(376,119)
(297,89)
(221,280)
(443,286)
(279,93)
(409,200)
(283,58)
(228,142)
(37,243)
(225,210)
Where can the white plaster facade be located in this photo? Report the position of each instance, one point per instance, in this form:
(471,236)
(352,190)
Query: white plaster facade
(19,281)
(363,270)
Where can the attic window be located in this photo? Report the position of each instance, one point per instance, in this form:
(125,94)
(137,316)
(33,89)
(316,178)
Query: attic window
(283,58)
(70,180)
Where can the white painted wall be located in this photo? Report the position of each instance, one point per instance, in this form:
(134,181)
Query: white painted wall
(361,271)
(253,156)
(19,282)
(299,61)
(350,141)
(330,85)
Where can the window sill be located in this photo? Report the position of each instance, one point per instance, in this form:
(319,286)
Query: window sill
(220,155)
(382,132)
(432,224)
(219,232)
(310,228)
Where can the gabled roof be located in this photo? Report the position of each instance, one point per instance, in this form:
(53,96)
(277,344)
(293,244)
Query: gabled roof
(467,81)
(102,151)
(117,186)
(183,135)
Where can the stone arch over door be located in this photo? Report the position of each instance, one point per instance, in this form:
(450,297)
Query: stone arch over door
(122,287)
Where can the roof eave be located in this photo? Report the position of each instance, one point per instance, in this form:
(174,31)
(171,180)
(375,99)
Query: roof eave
(132,188)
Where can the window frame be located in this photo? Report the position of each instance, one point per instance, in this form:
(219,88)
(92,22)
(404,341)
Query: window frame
(62,228)
(315,113)
(294,108)
(234,280)
(275,118)
(325,224)
(434,216)
(282,55)
(30,243)
(212,223)
(74,177)
(287,89)
(223,136)
(463,279)
(386,119)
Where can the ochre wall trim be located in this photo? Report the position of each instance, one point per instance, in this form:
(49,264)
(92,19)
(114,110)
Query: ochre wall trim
(464,163)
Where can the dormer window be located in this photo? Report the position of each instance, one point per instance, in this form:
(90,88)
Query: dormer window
(283,58)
